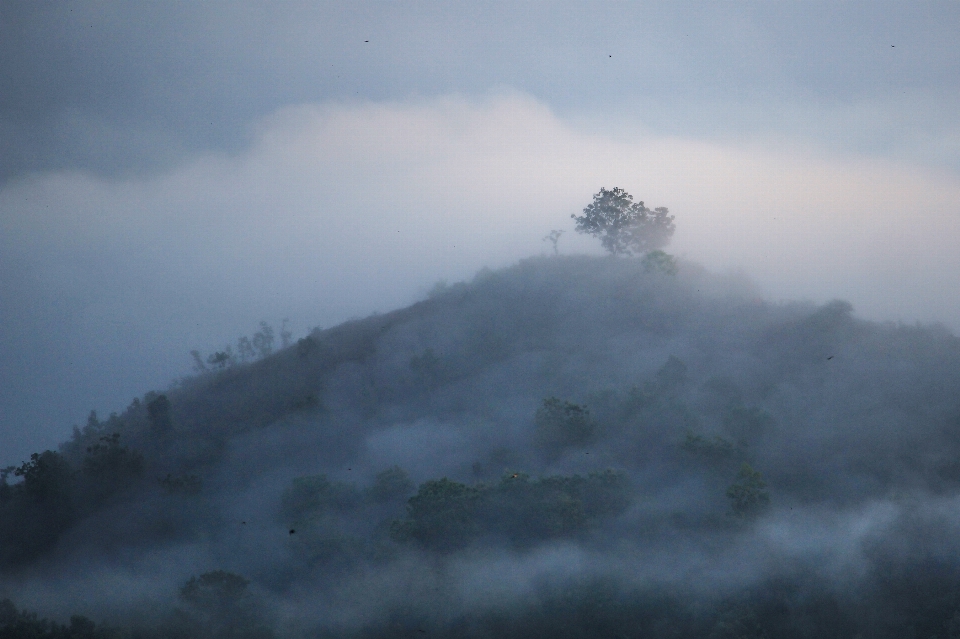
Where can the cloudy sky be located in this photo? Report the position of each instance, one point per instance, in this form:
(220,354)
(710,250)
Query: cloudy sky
(172,173)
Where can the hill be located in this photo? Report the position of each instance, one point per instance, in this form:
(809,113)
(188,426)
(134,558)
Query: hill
(572,446)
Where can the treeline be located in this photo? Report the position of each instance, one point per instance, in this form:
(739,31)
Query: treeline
(248,349)
(19,624)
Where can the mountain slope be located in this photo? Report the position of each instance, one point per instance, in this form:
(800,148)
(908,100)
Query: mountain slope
(566,418)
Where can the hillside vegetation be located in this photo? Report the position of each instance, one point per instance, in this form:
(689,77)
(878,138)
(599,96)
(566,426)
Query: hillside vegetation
(569,447)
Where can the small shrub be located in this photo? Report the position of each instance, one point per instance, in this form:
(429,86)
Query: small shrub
(659,262)
(747,495)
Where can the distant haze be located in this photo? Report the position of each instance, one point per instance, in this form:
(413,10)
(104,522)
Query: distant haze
(170,175)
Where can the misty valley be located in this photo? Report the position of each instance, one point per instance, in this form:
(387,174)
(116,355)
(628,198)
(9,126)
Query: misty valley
(569,447)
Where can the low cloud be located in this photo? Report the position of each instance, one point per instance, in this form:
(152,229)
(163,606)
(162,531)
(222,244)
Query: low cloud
(341,209)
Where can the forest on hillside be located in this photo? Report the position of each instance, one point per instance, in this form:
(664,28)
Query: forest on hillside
(569,447)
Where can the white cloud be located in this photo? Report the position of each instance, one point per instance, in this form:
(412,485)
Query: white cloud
(362,204)
(340,209)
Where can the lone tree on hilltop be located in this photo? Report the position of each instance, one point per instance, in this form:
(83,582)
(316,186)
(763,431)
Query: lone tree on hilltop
(624,226)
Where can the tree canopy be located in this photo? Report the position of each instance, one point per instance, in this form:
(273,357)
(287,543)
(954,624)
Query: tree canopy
(625,227)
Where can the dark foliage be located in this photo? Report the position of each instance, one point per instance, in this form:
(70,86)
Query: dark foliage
(38,510)
(17,624)
(446,515)
(52,495)
(442,516)
(627,227)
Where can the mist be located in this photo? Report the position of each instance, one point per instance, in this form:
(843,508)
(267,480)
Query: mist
(340,210)
(171,176)
(651,446)
(287,349)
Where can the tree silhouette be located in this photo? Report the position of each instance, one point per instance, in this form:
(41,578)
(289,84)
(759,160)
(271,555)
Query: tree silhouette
(553,237)
(625,227)
(263,340)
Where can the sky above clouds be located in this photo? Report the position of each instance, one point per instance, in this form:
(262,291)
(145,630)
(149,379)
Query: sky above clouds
(172,173)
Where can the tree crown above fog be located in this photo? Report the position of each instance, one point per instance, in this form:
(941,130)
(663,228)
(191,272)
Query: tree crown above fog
(625,227)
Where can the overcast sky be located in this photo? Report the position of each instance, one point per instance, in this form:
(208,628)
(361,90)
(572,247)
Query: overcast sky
(172,173)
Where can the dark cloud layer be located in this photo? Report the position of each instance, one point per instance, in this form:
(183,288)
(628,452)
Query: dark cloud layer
(114,87)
